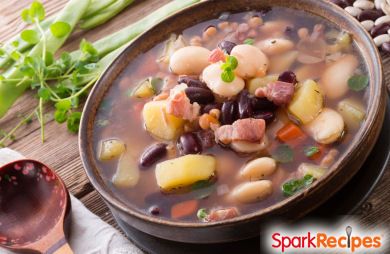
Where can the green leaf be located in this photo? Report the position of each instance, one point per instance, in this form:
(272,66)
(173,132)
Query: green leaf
(2,52)
(249,41)
(36,11)
(311,150)
(60,29)
(227,76)
(15,55)
(73,122)
(26,16)
(358,82)
(87,48)
(283,154)
(202,214)
(232,61)
(60,116)
(49,58)
(291,187)
(63,105)
(30,36)
(44,93)
(15,44)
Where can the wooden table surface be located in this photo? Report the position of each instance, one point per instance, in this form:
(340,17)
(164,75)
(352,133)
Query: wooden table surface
(60,150)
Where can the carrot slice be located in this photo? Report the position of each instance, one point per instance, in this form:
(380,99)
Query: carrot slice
(184,209)
(290,132)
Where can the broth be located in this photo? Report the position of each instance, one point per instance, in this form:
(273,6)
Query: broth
(120,117)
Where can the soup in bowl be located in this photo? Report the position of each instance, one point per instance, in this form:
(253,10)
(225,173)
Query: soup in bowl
(233,116)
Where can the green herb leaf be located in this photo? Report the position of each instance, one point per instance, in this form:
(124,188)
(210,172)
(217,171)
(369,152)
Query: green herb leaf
(63,105)
(36,11)
(60,116)
(30,36)
(60,29)
(26,16)
(2,52)
(290,187)
(311,150)
(44,93)
(15,55)
(202,214)
(283,154)
(232,61)
(227,76)
(15,44)
(249,41)
(73,122)
(358,82)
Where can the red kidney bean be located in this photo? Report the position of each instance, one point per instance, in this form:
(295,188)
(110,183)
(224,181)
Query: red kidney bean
(152,154)
(192,82)
(245,109)
(380,29)
(226,46)
(370,15)
(386,47)
(188,144)
(263,104)
(228,112)
(206,138)
(208,107)
(199,95)
(154,210)
(267,116)
(288,76)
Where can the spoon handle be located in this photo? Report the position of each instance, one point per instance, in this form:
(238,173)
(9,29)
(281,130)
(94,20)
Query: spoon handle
(64,249)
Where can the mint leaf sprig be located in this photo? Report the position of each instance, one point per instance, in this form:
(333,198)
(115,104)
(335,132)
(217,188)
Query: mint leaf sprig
(228,68)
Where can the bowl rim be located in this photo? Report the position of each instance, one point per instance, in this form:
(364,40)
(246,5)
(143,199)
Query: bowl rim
(377,96)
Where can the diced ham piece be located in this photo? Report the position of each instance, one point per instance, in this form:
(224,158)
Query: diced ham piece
(180,106)
(279,92)
(222,214)
(248,129)
(217,55)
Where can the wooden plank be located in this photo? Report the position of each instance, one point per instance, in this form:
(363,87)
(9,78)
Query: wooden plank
(60,150)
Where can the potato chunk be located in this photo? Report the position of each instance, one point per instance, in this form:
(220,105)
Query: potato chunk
(184,171)
(111,149)
(127,173)
(307,101)
(159,123)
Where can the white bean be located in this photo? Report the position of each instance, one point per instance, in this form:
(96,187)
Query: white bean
(367,24)
(212,77)
(275,46)
(248,147)
(190,60)
(380,39)
(385,8)
(378,3)
(364,4)
(334,79)
(258,169)
(381,20)
(327,127)
(251,61)
(252,191)
(353,10)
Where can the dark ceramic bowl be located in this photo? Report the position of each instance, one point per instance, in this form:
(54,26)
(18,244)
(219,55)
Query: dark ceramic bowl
(291,208)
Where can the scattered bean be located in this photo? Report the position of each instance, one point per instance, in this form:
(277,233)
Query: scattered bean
(364,4)
(210,31)
(379,40)
(206,120)
(381,29)
(367,24)
(206,138)
(188,144)
(196,41)
(381,20)
(223,25)
(152,154)
(262,103)
(369,15)
(385,8)
(353,10)
(303,33)
(226,46)
(228,112)
(245,109)
(190,60)
(199,95)
(208,107)
(386,47)
(252,191)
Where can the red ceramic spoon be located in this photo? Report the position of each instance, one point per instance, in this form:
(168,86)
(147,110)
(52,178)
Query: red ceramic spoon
(33,205)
